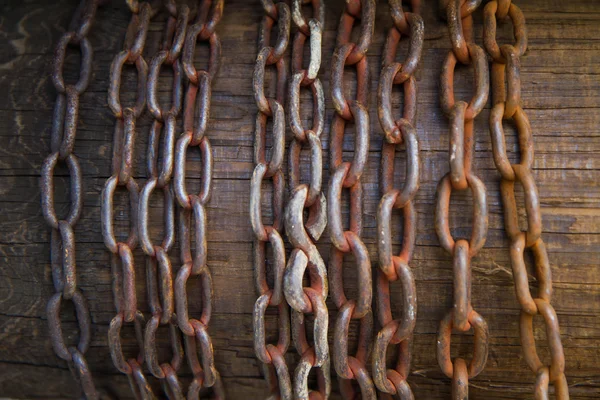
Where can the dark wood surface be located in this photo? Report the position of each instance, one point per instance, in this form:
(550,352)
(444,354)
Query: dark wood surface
(561,94)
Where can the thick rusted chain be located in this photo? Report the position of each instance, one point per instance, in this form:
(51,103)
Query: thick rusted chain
(462,317)
(506,95)
(123,268)
(395,268)
(192,207)
(62,240)
(351,369)
(272,356)
(306,300)
(159,271)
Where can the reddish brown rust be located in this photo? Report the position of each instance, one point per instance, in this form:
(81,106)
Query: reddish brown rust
(391,267)
(272,357)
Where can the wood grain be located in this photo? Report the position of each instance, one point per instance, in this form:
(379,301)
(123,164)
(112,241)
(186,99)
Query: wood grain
(561,95)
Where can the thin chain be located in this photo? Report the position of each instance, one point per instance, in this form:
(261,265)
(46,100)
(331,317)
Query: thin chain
(272,356)
(462,317)
(304,234)
(393,268)
(192,207)
(62,244)
(122,262)
(506,102)
(347,175)
(159,273)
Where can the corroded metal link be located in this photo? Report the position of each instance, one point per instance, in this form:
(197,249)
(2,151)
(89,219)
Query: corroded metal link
(358,50)
(114,342)
(393,128)
(388,263)
(278,267)
(318,108)
(316,167)
(301,389)
(62,238)
(416,35)
(260,346)
(411,184)
(480,350)
(277,141)
(506,95)
(151,352)
(341,357)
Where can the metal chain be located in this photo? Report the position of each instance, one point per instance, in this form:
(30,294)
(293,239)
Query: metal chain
(159,273)
(62,242)
(122,262)
(272,356)
(392,268)
(462,317)
(307,197)
(506,100)
(192,207)
(347,175)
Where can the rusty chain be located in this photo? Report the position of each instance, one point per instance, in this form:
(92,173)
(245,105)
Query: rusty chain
(307,197)
(62,241)
(462,317)
(192,207)
(159,273)
(122,261)
(506,104)
(272,356)
(347,175)
(392,268)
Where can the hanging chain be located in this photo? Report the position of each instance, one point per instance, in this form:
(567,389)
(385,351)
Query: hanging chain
(62,242)
(347,175)
(309,197)
(506,100)
(198,344)
(272,356)
(122,262)
(392,268)
(159,273)
(462,317)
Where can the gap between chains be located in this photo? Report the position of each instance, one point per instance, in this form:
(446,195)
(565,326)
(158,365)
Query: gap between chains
(165,294)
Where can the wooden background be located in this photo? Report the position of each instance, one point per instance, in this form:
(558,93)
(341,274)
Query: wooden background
(560,81)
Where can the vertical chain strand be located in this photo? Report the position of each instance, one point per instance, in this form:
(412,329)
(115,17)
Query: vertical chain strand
(123,269)
(62,242)
(347,175)
(307,197)
(159,272)
(272,356)
(392,268)
(506,104)
(462,317)
(192,207)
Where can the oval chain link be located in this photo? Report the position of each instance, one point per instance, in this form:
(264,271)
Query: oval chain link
(63,241)
(272,356)
(462,317)
(192,207)
(123,268)
(351,369)
(506,105)
(393,268)
(161,145)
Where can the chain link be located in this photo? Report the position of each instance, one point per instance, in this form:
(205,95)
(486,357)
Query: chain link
(462,317)
(62,242)
(122,261)
(347,174)
(192,207)
(272,356)
(506,104)
(159,272)
(392,268)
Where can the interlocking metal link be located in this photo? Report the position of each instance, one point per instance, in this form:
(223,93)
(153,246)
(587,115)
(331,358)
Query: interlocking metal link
(192,207)
(347,175)
(123,269)
(506,100)
(159,272)
(62,242)
(393,268)
(272,356)
(462,317)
